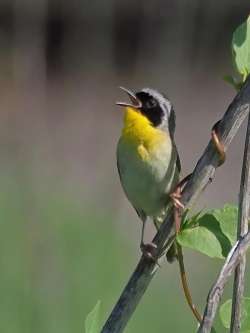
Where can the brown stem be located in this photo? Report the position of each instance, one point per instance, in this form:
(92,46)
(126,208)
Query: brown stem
(185,286)
(218,144)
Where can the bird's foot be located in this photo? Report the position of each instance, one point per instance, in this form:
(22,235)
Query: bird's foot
(149,251)
(178,205)
(176,196)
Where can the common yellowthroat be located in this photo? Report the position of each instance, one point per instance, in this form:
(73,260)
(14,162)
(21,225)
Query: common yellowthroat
(147,158)
(148,161)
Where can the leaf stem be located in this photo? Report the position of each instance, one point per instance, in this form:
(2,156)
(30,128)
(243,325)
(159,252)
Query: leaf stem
(185,286)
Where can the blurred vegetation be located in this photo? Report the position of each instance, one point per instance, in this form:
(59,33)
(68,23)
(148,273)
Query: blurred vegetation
(57,260)
(54,264)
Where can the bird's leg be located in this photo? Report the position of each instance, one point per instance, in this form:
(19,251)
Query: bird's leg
(148,249)
(178,206)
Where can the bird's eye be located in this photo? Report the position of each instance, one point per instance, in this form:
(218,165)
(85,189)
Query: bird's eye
(151,104)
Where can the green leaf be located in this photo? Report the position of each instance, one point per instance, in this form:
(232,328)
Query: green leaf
(206,238)
(228,219)
(188,222)
(212,234)
(92,320)
(225,314)
(241,48)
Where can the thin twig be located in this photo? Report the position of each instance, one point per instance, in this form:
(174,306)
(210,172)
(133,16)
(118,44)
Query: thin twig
(234,257)
(185,284)
(202,175)
(183,275)
(238,288)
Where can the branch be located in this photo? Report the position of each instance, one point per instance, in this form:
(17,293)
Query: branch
(202,175)
(234,257)
(243,214)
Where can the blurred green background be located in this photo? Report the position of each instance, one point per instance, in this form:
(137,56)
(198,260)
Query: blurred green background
(68,236)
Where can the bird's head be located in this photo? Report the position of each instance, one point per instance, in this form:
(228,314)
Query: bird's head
(154,106)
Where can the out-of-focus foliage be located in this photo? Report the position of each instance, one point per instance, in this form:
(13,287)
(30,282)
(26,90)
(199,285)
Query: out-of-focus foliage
(57,258)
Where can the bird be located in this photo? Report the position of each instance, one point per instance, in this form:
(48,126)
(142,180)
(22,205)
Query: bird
(147,158)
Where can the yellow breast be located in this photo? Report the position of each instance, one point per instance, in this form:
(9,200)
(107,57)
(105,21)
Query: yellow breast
(138,131)
(147,163)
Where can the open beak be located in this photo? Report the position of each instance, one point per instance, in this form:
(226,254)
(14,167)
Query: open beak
(135,102)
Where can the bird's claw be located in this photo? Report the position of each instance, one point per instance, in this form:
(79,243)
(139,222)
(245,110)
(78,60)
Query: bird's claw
(149,251)
(176,196)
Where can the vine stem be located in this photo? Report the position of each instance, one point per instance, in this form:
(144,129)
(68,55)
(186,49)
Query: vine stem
(185,286)
(184,281)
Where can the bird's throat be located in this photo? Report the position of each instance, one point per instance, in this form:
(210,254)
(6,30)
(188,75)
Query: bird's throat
(139,130)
